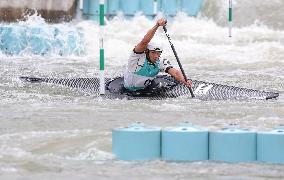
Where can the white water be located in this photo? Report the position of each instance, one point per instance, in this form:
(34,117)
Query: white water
(48,131)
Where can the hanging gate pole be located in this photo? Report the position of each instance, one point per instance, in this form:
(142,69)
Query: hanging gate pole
(230,17)
(102,55)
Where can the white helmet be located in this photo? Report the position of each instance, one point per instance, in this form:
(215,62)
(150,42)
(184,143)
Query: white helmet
(154,47)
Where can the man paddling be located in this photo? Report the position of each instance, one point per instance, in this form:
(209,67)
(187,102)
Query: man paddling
(144,63)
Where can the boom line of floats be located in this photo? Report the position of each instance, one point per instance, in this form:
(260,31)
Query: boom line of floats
(187,142)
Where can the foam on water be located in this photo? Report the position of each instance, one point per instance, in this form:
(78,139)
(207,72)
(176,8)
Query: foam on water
(52,144)
(196,41)
(35,37)
(245,13)
(48,131)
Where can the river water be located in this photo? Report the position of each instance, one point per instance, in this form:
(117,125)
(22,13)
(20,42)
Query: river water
(49,131)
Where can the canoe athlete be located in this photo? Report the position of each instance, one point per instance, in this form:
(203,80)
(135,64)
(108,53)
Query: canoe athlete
(144,63)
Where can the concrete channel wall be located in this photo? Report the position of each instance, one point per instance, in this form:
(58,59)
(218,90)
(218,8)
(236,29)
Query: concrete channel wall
(51,10)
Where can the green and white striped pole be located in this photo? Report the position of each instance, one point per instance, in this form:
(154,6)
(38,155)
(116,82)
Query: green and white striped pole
(230,17)
(102,54)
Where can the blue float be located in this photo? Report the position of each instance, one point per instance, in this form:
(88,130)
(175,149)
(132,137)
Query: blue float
(185,143)
(169,7)
(112,7)
(86,7)
(136,142)
(232,145)
(147,7)
(1,40)
(130,7)
(94,9)
(270,146)
(191,7)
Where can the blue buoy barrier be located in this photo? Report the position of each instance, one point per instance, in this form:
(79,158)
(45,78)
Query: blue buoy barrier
(191,7)
(169,7)
(232,145)
(136,142)
(187,142)
(147,7)
(270,146)
(184,143)
(1,41)
(130,7)
(94,9)
(86,7)
(112,7)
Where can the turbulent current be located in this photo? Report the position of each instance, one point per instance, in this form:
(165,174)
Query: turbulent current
(49,131)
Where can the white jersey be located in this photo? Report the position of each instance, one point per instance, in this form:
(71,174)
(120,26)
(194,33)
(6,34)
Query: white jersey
(140,72)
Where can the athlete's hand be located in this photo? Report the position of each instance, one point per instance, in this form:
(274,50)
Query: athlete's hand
(188,83)
(162,22)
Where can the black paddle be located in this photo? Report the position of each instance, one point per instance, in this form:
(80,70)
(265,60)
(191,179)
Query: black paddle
(175,53)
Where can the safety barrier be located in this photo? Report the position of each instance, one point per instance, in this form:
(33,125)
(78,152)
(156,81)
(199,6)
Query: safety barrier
(149,8)
(188,142)
(232,145)
(270,146)
(184,143)
(137,142)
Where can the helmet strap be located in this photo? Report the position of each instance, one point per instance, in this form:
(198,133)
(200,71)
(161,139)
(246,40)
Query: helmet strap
(147,54)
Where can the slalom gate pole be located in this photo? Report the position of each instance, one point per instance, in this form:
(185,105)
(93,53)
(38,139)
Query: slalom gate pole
(230,17)
(102,54)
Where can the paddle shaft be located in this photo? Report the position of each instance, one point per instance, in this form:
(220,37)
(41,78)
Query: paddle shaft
(175,53)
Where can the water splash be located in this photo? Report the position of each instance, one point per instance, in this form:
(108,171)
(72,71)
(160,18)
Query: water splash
(34,36)
(245,13)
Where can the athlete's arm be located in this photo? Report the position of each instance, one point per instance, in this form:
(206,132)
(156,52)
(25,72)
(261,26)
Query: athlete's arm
(141,47)
(179,77)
